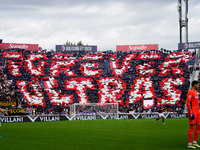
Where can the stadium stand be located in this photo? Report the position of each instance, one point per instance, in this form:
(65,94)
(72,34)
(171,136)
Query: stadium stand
(138,81)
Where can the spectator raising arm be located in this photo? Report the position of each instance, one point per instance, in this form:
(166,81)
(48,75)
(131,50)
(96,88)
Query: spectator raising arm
(4,111)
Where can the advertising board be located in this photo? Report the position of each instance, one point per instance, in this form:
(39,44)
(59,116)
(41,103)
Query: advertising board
(146,47)
(28,47)
(89,48)
(190,45)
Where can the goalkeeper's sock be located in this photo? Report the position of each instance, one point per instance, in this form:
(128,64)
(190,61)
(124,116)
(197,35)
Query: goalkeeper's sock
(196,133)
(157,119)
(190,133)
(162,120)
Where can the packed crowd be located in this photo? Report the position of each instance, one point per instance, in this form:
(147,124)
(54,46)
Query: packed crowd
(54,97)
(7,89)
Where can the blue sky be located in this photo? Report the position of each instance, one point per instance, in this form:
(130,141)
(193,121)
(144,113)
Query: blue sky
(105,23)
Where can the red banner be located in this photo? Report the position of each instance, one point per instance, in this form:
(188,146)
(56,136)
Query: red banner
(146,47)
(20,46)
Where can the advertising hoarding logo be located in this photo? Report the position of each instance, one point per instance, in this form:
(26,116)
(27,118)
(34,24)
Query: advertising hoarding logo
(104,117)
(33,118)
(146,47)
(190,45)
(63,48)
(136,48)
(86,117)
(11,119)
(70,118)
(186,46)
(135,116)
(20,46)
(88,48)
(49,118)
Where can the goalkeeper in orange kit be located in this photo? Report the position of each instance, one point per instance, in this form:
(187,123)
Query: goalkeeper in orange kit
(193,115)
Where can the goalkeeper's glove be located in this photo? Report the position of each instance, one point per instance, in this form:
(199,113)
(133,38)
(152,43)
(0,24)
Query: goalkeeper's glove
(191,115)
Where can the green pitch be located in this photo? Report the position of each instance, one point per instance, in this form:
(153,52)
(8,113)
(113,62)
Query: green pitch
(140,134)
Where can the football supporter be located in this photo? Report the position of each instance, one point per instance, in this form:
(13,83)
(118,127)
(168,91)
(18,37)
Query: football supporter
(193,115)
(4,111)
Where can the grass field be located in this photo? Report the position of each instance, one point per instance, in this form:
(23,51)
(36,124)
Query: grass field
(140,134)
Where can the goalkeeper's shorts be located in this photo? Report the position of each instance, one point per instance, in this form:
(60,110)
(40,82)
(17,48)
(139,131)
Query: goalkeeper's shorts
(195,120)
